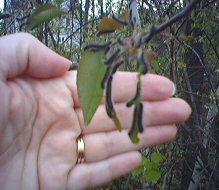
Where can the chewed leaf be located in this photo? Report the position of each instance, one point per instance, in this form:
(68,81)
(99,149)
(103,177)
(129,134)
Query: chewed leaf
(137,127)
(109,105)
(43,14)
(134,131)
(90,75)
(109,24)
(134,134)
(117,122)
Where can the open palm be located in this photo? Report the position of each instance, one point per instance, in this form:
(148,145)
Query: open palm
(41,118)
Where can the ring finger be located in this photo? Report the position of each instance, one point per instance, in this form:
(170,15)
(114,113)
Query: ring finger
(114,142)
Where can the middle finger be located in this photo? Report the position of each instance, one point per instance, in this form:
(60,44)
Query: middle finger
(170,111)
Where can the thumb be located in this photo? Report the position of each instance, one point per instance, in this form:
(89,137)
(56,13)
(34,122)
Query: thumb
(23,54)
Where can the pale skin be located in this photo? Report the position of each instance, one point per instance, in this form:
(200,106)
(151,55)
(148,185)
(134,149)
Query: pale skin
(41,118)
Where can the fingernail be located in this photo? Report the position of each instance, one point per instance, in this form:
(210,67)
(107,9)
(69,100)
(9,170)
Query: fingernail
(73,66)
(174,90)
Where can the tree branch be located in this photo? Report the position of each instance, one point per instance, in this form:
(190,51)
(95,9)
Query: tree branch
(156,29)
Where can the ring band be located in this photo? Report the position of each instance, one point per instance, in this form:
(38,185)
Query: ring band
(81,150)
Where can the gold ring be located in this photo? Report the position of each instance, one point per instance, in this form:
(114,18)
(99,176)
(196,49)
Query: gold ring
(81,150)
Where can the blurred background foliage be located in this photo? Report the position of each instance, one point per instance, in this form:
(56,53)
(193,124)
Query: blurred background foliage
(188,53)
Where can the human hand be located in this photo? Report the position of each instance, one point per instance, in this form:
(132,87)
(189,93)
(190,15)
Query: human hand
(41,118)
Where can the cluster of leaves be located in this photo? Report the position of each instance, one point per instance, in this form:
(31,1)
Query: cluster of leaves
(98,65)
(150,170)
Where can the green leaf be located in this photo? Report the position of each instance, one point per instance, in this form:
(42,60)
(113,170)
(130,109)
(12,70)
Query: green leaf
(157,157)
(139,171)
(90,74)
(148,164)
(43,14)
(153,176)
